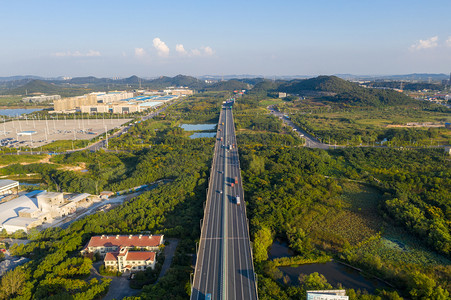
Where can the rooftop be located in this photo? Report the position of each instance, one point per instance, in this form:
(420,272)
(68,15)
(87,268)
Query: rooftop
(35,193)
(10,209)
(7,182)
(19,221)
(50,194)
(140,255)
(79,197)
(110,256)
(126,241)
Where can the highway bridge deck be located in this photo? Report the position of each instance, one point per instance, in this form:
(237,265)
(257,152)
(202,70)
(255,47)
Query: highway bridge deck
(224,267)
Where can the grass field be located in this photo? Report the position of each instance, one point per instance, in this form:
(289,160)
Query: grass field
(359,228)
(11,101)
(370,125)
(63,145)
(17,159)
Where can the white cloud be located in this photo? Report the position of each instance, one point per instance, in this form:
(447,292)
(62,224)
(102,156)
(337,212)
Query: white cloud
(448,42)
(425,44)
(90,53)
(140,52)
(195,52)
(93,53)
(208,51)
(180,49)
(162,48)
(202,51)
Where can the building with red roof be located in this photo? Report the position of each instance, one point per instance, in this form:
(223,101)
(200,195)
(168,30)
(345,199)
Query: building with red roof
(126,252)
(104,243)
(132,261)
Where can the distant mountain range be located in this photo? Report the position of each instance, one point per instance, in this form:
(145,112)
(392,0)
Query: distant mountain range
(162,79)
(323,88)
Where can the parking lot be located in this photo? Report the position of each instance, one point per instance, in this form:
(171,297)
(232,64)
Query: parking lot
(36,133)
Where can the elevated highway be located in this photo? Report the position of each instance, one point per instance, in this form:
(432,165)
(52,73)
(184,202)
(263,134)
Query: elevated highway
(224,267)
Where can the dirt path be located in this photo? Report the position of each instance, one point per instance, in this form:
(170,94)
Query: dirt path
(46,160)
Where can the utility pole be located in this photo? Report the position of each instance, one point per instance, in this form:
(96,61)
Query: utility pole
(106,134)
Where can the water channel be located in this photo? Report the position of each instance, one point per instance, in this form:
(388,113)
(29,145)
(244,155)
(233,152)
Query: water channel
(17,111)
(204,130)
(198,127)
(202,135)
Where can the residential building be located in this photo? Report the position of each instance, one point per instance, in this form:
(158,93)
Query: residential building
(131,261)
(104,244)
(126,252)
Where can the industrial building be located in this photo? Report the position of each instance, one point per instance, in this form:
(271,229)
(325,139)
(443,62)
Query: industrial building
(178,92)
(68,104)
(74,103)
(41,98)
(38,207)
(128,105)
(113,102)
(8,186)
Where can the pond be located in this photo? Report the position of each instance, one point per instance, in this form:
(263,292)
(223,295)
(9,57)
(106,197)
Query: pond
(279,249)
(198,127)
(29,184)
(202,135)
(335,273)
(17,111)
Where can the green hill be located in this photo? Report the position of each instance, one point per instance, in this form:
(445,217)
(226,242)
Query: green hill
(44,87)
(330,84)
(345,92)
(179,80)
(265,86)
(229,85)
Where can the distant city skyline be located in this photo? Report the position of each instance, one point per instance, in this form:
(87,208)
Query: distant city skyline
(113,38)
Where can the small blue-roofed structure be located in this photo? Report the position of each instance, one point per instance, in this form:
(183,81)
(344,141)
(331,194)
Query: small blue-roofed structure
(26,132)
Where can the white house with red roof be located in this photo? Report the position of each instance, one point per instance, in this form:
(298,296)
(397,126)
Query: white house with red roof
(116,251)
(114,243)
(131,261)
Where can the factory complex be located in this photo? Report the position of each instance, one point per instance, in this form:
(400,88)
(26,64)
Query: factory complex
(117,102)
(25,211)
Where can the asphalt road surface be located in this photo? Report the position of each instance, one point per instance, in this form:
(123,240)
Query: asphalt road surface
(310,141)
(224,267)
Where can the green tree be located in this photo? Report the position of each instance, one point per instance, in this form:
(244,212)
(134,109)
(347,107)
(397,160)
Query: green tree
(262,241)
(12,283)
(314,281)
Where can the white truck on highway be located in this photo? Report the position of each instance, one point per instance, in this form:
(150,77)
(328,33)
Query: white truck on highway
(237,200)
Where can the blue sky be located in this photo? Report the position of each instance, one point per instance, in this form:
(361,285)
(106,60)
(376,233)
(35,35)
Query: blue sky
(153,38)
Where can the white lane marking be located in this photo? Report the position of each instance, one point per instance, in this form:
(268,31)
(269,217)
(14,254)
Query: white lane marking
(205,232)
